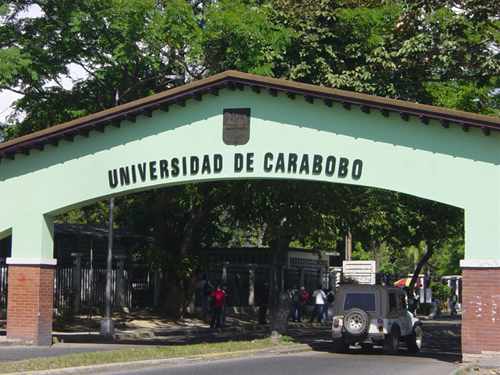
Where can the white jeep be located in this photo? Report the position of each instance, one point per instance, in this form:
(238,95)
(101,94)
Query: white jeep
(374,315)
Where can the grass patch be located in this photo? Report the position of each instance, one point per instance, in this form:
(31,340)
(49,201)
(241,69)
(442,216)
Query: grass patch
(131,355)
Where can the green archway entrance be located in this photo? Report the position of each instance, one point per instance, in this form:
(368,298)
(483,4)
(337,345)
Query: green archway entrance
(235,126)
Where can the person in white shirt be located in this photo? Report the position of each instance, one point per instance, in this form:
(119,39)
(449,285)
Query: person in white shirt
(319,307)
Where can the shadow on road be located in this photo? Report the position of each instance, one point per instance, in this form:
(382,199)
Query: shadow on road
(442,341)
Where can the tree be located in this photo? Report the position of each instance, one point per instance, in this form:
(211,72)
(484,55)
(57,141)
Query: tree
(375,218)
(127,48)
(185,220)
(292,211)
(395,226)
(399,49)
(447,258)
(239,35)
(432,222)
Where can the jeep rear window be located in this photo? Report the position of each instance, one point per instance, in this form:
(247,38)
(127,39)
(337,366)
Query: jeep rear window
(365,301)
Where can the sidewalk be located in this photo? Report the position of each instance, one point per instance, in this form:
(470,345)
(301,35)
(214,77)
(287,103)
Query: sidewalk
(139,329)
(147,324)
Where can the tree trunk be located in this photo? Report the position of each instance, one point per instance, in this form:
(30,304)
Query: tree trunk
(279,317)
(176,293)
(175,240)
(421,263)
(376,253)
(279,303)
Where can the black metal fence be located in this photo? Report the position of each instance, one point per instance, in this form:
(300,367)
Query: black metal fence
(3,283)
(138,283)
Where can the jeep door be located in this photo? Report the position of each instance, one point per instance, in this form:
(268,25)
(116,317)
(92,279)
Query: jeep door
(397,310)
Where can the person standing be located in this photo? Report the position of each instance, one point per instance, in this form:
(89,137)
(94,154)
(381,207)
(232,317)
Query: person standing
(217,299)
(303,301)
(435,306)
(453,303)
(319,307)
(223,312)
(263,301)
(205,288)
(296,304)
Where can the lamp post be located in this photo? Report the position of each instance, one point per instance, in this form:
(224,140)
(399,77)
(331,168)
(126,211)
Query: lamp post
(107,325)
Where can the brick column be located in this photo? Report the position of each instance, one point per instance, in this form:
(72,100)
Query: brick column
(481,313)
(30,303)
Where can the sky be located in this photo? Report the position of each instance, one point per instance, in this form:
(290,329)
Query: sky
(7,97)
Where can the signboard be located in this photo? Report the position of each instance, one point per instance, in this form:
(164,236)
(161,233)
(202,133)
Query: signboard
(360,270)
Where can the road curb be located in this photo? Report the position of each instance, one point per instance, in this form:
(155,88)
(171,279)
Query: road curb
(88,337)
(202,331)
(280,350)
(152,333)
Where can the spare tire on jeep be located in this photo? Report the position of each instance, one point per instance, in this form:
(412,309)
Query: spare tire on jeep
(356,321)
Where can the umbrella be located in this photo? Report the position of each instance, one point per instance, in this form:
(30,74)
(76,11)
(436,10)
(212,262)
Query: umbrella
(406,282)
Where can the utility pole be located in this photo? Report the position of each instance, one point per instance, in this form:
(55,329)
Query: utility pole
(107,325)
(348,245)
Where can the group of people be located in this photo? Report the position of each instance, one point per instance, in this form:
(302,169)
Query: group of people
(323,307)
(323,303)
(214,301)
(299,303)
(451,302)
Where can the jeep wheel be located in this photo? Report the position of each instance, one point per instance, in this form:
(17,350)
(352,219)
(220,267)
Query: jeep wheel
(391,342)
(340,346)
(414,341)
(356,322)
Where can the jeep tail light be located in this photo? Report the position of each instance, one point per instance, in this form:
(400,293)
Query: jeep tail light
(336,322)
(380,324)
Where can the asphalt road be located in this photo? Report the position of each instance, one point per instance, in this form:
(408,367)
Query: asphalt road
(310,363)
(441,342)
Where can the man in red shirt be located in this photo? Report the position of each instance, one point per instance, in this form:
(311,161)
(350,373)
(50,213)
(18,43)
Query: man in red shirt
(303,301)
(217,299)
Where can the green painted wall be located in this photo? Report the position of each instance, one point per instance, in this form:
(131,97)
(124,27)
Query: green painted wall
(446,165)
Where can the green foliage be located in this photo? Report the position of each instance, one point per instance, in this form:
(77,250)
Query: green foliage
(422,51)
(127,48)
(239,35)
(94,214)
(389,269)
(465,96)
(305,212)
(440,291)
(400,49)
(349,280)
(184,266)
(447,258)
(67,312)
(400,231)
